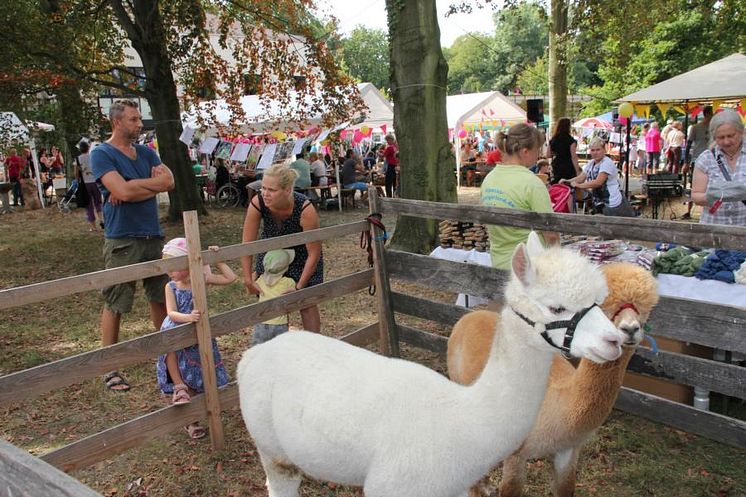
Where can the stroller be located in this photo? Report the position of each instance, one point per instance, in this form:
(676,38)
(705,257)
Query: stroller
(64,203)
(562,197)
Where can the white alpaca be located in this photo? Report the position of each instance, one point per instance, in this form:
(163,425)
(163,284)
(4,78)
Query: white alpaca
(317,406)
(577,401)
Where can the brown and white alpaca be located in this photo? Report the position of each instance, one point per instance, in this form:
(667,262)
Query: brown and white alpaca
(578,400)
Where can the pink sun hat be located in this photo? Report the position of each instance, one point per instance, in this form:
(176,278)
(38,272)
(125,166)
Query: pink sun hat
(175,247)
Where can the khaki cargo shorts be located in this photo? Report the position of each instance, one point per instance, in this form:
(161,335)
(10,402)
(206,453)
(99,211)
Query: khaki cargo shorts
(123,252)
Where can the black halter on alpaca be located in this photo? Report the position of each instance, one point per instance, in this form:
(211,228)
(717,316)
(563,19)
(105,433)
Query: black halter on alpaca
(569,324)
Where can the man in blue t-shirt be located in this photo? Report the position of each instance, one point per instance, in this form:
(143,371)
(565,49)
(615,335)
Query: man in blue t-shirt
(130,177)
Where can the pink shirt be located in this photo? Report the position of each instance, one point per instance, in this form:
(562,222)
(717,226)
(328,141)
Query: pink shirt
(653,141)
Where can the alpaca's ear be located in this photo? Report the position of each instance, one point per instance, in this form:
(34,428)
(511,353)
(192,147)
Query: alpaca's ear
(534,245)
(521,265)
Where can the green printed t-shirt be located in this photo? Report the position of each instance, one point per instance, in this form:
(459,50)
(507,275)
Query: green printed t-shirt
(512,187)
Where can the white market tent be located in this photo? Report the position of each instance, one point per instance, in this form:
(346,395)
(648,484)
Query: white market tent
(488,110)
(12,130)
(380,110)
(474,109)
(265,115)
(720,81)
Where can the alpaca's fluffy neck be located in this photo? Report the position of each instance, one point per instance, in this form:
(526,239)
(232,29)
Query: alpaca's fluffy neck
(594,387)
(510,388)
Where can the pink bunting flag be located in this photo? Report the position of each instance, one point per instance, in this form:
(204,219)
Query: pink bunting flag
(383,129)
(343,134)
(492,112)
(357,136)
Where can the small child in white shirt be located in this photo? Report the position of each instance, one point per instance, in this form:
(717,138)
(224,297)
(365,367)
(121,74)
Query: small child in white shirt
(273,284)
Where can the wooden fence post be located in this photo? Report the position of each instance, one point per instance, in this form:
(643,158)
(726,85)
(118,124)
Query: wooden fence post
(204,335)
(387,325)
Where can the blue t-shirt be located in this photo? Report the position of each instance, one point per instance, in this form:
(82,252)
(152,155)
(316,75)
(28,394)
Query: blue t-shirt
(128,218)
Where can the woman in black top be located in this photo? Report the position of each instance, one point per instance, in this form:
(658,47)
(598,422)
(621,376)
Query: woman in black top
(563,151)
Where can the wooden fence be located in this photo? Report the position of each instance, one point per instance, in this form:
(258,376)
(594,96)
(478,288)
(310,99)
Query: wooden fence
(711,325)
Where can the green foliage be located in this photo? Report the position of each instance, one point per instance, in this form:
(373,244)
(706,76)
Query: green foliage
(469,64)
(521,37)
(366,56)
(534,79)
(660,40)
(479,62)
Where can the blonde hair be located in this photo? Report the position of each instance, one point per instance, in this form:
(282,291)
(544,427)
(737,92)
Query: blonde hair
(313,157)
(597,142)
(519,137)
(285,176)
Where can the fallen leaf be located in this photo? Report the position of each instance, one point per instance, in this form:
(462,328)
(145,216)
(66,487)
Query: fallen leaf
(219,467)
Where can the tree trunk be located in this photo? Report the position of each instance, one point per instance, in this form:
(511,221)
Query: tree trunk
(160,91)
(419,75)
(558,62)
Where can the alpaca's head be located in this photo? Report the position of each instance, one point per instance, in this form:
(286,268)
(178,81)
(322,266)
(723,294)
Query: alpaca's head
(633,293)
(556,284)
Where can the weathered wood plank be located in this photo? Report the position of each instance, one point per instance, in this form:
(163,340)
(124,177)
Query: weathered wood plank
(428,309)
(22,474)
(448,276)
(691,234)
(47,290)
(204,334)
(59,374)
(135,432)
(364,336)
(707,424)
(711,325)
(423,339)
(389,338)
(725,378)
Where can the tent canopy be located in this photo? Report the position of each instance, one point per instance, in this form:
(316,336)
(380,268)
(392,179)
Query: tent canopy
(13,130)
(264,115)
(380,111)
(721,80)
(482,108)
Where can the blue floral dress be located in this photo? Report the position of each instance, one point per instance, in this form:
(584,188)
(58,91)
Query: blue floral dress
(188,358)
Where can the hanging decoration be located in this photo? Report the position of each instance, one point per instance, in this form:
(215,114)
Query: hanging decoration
(663,107)
(626,110)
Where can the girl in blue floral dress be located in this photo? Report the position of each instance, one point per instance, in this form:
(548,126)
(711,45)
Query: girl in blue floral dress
(180,373)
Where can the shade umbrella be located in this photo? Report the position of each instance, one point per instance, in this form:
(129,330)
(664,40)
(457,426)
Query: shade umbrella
(592,122)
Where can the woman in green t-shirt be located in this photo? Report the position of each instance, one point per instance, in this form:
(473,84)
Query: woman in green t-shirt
(512,185)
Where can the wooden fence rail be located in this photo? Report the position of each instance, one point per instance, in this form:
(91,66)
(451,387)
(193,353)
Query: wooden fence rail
(652,230)
(35,381)
(47,290)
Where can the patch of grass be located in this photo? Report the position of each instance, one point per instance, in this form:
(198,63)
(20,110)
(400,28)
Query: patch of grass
(628,457)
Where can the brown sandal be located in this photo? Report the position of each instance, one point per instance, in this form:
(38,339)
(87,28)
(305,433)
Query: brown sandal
(181,395)
(195,431)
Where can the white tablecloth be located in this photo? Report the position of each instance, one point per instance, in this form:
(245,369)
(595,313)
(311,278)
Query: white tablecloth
(716,292)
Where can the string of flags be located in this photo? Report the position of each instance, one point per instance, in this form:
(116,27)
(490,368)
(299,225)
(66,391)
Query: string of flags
(261,151)
(693,109)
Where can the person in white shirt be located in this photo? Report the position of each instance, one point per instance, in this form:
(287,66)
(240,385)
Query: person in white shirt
(600,176)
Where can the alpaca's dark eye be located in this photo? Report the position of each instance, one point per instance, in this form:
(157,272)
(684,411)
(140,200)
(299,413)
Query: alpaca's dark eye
(557,310)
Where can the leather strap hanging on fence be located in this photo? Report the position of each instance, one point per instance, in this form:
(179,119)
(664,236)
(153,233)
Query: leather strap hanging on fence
(366,241)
